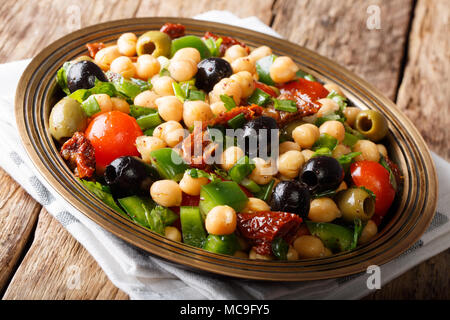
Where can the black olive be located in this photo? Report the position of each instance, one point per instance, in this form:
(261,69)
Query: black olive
(258,136)
(128,176)
(210,71)
(322,173)
(82,74)
(291,196)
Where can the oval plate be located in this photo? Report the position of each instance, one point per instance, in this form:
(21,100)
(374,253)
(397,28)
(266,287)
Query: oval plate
(409,218)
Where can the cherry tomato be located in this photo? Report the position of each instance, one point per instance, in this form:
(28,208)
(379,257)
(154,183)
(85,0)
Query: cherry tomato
(375,177)
(113,135)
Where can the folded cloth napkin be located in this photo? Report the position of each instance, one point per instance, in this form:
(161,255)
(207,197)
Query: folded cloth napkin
(143,276)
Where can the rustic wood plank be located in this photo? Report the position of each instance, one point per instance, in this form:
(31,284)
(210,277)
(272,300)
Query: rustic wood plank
(18,214)
(53,265)
(424,93)
(338,30)
(28,26)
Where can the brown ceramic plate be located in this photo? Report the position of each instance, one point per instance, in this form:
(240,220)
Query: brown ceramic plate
(409,217)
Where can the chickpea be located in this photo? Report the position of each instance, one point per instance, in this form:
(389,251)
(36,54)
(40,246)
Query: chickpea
(126,44)
(196,111)
(174,136)
(307,154)
(182,70)
(105,56)
(104,102)
(350,114)
(287,146)
(368,149)
(290,163)
(147,66)
(292,254)
(334,128)
(228,87)
(163,85)
(146,144)
(166,193)
(255,205)
(256,256)
(323,210)
(170,108)
(221,220)
(192,186)
(283,69)
(369,231)
(240,254)
(382,149)
(235,52)
(146,99)
(327,252)
(328,106)
(120,105)
(218,108)
(245,80)
(263,172)
(172,233)
(340,150)
(260,52)
(334,87)
(230,156)
(243,64)
(309,247)
(124,66)
(187,54)
(306,135)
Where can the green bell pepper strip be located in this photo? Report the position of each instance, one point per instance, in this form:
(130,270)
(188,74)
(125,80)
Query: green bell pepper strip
(225,244)
(149,132)
(228,101)
(196,95)
(354,132)
(192,227)
(222,193)
(237,122)
(310,77)
(328,117)
(127,88)
(90,106)
(346,159)
(168,217)
(335,237)
(325,141)
(263,69)
(285,105)
(168,163)
(149,121)
(138,111)
(104,194)
(322,152)
(242,168)
(280,248)
(350,140)
(250,185)
(266,191)
(259,98)
(213,46)
(138,208)
(191,42)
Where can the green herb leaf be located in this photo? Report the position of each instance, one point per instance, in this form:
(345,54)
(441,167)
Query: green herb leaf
(370,192)
(357,230)
(196,95)
(61,77)
(179,92)
(310,77)
(340,100)
(392,179)
(346,159)
(228,101)
(327,193)
(285,105)
(322,152)
(103,193)
(280,248)
(197,173)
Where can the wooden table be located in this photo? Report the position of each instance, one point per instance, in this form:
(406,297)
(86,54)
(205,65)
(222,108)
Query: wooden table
(402,47)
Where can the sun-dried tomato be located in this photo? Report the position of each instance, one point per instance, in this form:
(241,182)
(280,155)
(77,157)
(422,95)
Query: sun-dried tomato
(395,171)
(174,30)
(80,155)
(94,47)
(226,42)
(261,228)
(250,112)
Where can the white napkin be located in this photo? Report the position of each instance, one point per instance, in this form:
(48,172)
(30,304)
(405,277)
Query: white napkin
(143,276)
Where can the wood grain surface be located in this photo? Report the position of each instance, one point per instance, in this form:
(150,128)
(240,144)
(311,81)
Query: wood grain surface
(407,58)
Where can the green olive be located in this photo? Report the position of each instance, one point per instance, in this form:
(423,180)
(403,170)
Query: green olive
(372,124)
(355,203)
(155,43)
(83,58)
(286,131)
(66,118)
